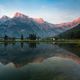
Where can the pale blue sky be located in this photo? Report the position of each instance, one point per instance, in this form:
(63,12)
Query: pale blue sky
(54,11)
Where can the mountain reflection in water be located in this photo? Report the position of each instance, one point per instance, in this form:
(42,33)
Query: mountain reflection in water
(38,61)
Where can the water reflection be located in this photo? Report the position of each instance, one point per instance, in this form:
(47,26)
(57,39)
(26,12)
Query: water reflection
(5,44)
(39,61)
(54,68)
(74,48)
(23,53)
(30,44)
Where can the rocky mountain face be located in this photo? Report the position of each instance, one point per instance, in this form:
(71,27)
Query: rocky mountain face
(22,24)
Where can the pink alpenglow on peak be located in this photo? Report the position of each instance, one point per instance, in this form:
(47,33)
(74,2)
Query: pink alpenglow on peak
(39,20)
(70,24)
(17,14)
(77,20)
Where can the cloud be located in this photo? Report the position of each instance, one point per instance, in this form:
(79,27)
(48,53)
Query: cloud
(2,10)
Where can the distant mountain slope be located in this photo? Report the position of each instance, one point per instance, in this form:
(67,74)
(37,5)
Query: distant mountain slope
(73,33)
(22,24)
(70,24)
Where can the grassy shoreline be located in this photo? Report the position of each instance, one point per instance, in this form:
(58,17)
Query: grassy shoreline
(35,41)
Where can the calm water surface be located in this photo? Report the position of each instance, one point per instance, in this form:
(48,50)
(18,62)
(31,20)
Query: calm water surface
(39,61)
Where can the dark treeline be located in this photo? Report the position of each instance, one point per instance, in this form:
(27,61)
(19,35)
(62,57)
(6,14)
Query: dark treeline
(9,38)
(31,37)
(73,33)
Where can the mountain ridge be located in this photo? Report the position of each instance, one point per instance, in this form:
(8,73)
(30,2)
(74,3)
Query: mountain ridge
(22,24)
(18,14)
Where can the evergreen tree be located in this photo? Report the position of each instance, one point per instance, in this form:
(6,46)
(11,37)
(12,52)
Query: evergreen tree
(22,37)
(5,37)
(32,36)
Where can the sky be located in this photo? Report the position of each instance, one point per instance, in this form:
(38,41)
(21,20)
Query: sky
(53,11)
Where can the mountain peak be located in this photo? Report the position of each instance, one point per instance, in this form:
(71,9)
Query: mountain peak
(77,20)
(39,20)
(4,17)
(17,14)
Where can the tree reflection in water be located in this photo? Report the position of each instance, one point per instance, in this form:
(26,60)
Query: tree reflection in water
(30,45)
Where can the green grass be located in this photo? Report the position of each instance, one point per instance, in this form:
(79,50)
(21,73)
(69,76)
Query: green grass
(48,41)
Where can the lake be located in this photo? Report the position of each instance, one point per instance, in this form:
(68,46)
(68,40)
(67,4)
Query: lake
(39,61)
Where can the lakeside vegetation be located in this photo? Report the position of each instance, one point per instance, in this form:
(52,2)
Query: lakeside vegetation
(76,41)
(34,39)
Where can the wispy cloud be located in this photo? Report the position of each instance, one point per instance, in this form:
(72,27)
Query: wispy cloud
(54,11)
